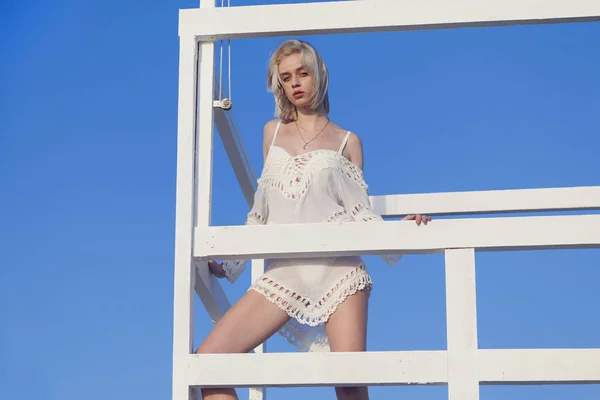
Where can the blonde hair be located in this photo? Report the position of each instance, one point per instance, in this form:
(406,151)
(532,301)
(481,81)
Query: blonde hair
(313,62)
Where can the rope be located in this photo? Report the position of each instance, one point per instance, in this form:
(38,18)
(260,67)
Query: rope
(229,59)
(228,63)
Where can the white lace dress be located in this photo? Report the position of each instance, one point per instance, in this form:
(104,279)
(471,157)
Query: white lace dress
(318,186)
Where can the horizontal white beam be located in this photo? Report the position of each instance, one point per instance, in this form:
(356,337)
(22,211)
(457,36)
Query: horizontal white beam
(539,366)
(496,366)
(318,369)
(488,202)
(329,239)
(371,16)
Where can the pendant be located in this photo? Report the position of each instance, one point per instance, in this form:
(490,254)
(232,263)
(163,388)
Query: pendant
(305,146)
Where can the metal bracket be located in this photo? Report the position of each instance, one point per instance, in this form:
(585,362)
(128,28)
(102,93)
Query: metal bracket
(225,104)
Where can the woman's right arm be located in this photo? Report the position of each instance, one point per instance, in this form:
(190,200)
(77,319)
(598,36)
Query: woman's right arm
(232,269)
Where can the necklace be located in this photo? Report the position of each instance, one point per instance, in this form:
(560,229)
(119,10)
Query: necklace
(316,136)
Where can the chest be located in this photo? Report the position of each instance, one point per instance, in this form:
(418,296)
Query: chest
(298,143)
(292,176)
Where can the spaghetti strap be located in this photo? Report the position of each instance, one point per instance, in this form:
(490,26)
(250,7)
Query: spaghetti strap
(276,131)
(344,142)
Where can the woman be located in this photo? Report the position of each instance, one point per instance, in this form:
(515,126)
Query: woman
(312,173)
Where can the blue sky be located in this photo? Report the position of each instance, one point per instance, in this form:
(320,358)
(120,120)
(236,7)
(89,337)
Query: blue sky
(88,113)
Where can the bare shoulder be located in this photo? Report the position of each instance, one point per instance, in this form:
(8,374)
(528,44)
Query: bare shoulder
(354,150)
(268,133)
(269,129)
(354,142)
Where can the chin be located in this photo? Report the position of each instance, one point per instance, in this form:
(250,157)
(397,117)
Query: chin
(301,103)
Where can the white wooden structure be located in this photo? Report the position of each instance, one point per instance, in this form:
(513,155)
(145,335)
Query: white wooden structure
(463,367)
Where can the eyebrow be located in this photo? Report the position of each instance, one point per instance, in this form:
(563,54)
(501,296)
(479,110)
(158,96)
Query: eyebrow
(296,70)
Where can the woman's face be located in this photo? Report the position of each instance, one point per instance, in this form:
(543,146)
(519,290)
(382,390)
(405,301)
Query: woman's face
(297,81)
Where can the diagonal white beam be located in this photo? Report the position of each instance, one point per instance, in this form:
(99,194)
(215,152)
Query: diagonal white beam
(234,147)
(236,152)
(210,292)
(372,16)
(328,239)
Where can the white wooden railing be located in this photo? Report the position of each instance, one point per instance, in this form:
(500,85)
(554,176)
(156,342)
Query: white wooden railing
(463,366)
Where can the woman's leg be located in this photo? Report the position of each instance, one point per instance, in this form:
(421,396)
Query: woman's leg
(249,322)
(347,331)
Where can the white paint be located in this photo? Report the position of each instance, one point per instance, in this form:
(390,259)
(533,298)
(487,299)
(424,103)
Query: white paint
(463,366)
(236,152)
(490,201)
(318,369)
(539,366)
(370,16)
(204,136)
(203,170)
(461,322)
(213,297)
(258,393)
(183,280)
(187,206)
(516,233)
(501,366)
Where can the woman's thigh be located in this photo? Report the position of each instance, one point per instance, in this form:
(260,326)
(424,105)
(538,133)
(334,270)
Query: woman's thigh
(347,331)
(347,326)
(248,323)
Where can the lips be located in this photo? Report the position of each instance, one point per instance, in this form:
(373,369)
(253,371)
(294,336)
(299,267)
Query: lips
(298,94)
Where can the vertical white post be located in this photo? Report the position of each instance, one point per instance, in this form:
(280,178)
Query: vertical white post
(204,143)
(183,318)
(461,321)
(194,160)
(204,147)
(258,268)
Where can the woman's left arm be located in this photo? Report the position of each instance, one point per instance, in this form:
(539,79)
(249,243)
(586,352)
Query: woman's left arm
(355,194)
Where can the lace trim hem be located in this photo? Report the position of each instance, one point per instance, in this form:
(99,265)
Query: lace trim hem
(359,213)
(233,269)
(255,218)
(301,309)
(302,340)
(364,213)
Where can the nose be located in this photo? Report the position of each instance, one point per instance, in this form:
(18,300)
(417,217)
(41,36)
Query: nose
(295,82)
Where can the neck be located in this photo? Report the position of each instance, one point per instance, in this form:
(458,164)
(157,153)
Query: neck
(310,118)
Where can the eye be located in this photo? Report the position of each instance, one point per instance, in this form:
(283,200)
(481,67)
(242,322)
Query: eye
(304,73)
(287,78)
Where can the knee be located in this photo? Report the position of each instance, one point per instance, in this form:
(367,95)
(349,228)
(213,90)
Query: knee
(352,393)
(210,347)
(203,349)
(215,345)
